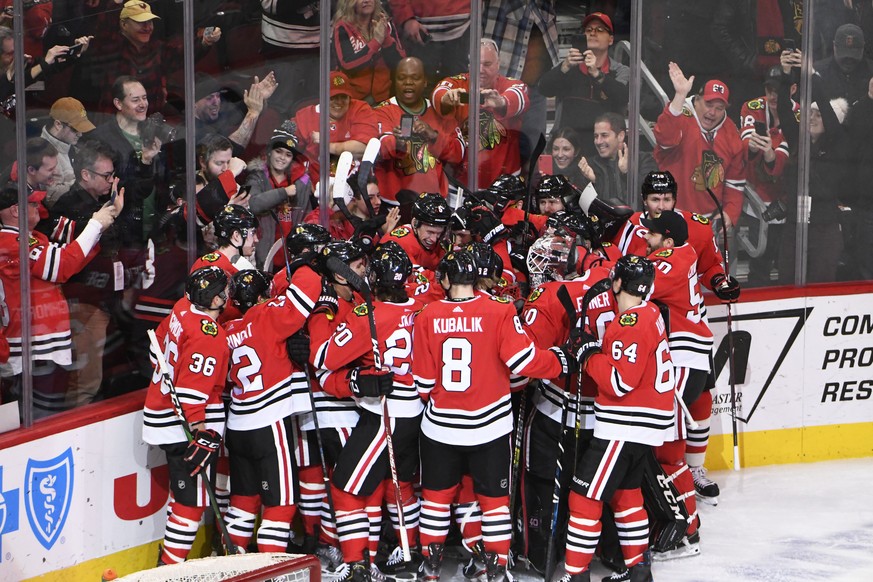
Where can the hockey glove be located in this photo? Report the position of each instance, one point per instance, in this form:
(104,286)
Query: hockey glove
(298,348)
(202,449)
(368,381)
(725,288)
(328,302)
(585,346)
(569,364)
(485,224)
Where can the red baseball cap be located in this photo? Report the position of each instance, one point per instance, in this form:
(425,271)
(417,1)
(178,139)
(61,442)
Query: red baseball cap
(602,18)
(340,84)
(715,89)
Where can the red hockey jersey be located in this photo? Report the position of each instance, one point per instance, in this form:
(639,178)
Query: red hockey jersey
(765,178)
(195,349)
(351,344)
(498,134)
(420,256)
(420,167)
(701,159)
(463,353)
(677,286)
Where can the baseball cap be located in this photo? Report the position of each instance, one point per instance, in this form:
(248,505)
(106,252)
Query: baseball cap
(606,20)
(773,77)
(716,89)
(340,84)
(670,224)
(72,112)
(849,42)
(138,11)
(9,195)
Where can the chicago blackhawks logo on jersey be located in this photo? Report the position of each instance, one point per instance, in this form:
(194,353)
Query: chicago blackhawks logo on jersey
(208,327)
(400,232)
(700,218)
(418,159)
(361,310)
(32,241)
(710,172)
(755,104)
(211,257)
(534,295)
(665,253)
(500,299)
(686,111)
(491,131)
(628,320)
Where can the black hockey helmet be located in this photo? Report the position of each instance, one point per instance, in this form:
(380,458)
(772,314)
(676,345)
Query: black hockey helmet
(305,236)
(488,262)
(431,208)
(637,274)
(344,250)
(554,186)
(505,190)
(204,284)
(233,217)
(572,224)
(390,266)
(658,183)
(459,267)
(250,286)
(460,219)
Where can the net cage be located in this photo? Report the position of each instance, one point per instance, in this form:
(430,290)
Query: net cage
(275,567)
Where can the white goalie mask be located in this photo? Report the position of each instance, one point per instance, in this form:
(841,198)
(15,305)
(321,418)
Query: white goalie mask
(550,258)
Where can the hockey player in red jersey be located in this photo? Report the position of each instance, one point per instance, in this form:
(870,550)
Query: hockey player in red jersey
(633,411)
(361,478)
(699,144)
(503,102)
(302,243)
(423,237)
(676,286)
(267,392)
(464,349)
(195,349)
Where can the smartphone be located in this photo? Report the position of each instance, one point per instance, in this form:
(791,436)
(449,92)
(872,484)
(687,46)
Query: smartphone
(481,99)
(464,97)
(761,128)
(406,122)
(75,50)
(580,43)
(788,44)
(208,31)
(544,164)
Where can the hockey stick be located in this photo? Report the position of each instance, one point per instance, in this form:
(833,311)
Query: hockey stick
(730,336)
(535,155)
(361,284)
(325,475)
(515,475)
(167,380)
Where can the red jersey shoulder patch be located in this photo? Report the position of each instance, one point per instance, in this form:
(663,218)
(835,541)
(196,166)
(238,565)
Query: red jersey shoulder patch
(208,327)
(210,257)
(628,319)
(361,310)
(32,241)
(665,253)
(535,294)
(700,218)
(400,232)
(686,112)
(500,299)
(755,104)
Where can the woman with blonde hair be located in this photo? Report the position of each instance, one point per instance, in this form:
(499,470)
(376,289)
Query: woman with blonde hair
(367,48)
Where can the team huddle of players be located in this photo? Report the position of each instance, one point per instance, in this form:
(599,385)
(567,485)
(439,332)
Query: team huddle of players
(409,378)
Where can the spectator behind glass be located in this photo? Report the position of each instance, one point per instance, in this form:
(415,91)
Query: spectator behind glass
(565,150)
(701,147)
(847,72)
(608,169)
(367,48)
(136,163)
(66,123)
(132,49)
(503,102)
(860,127)
(768,155)
(829,179)
(42,162)
(588,83)
(50,266)
(279,188)
(438,33)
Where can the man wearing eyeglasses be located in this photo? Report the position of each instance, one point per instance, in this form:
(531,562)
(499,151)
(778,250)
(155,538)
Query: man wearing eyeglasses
(66,124)
(95,291)
(588,82)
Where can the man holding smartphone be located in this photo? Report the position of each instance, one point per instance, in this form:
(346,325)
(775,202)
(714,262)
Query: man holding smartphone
(588,82)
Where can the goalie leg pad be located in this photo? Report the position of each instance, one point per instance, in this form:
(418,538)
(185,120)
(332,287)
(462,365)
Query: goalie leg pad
(669,515)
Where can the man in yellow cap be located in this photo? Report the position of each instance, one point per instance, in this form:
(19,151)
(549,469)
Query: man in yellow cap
(65,125)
